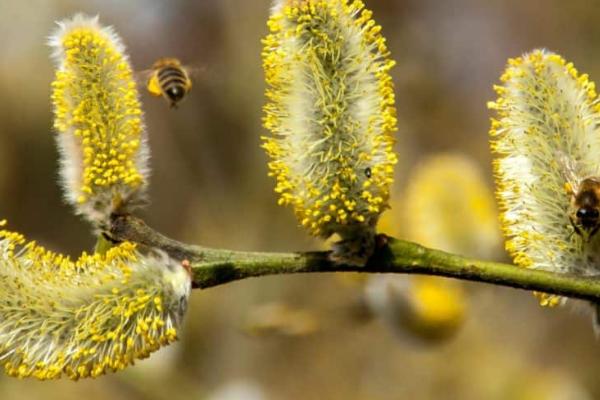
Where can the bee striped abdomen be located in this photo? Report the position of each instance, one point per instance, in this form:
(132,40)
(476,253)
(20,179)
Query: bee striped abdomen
(171,80)
(168,74)
(174,83)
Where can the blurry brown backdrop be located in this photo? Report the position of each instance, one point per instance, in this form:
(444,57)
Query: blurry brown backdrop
(210,186)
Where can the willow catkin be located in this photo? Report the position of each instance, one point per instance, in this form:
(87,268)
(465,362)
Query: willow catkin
(546,141)
(331,114)
(98,119)
(87,317)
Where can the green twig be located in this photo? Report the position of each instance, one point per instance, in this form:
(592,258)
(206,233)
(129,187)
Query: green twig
(212,267)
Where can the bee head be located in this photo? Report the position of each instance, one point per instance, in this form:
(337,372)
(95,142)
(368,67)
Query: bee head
(586,222)
(588,217)
(585,208)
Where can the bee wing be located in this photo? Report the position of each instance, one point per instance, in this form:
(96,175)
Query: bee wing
(568,169)
(195,71)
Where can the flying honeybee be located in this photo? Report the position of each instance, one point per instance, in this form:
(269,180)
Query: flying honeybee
(585,207)
(170,79)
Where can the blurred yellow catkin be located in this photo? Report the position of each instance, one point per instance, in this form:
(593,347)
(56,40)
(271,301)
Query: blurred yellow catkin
(447,205)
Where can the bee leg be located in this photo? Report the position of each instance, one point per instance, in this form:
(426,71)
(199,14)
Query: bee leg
(593,232)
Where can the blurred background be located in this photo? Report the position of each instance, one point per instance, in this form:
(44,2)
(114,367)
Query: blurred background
(319,336)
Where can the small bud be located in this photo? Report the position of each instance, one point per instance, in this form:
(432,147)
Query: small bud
(98,120)
(331,114)
(546,142)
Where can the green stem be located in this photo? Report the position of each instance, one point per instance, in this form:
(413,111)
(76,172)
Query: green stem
(212,267)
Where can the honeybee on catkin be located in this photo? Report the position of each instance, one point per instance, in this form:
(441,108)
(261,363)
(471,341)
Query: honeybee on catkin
(170,79)
(584,210)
